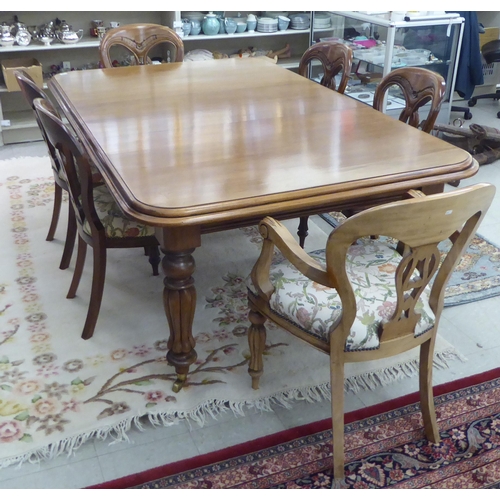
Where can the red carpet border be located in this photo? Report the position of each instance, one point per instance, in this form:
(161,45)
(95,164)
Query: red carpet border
(385,448)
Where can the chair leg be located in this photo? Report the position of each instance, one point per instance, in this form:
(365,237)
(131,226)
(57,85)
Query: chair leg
(97,290)
(154,258)
(80,263)
(56,210)
(257,344)
(69,244)
(302,231)
(337,388)
(426,392)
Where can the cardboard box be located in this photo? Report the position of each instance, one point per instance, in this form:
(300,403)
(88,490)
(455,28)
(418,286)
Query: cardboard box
(28,64)
(489,35)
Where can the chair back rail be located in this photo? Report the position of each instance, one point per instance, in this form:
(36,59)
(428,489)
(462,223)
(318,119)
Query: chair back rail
(75,164)
(139,39)
(335,57)
(419,86)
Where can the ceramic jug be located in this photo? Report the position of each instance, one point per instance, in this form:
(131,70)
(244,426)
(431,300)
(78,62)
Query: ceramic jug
(222,24)
(211,25)
(231,25)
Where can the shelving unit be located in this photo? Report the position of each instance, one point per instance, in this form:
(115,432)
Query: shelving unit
(441,34)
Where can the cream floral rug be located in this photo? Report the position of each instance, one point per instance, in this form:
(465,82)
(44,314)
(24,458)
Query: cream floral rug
(57,390)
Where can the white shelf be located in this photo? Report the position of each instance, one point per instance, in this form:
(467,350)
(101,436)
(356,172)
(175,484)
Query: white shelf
(85,42)
(290,63)
(245,34)
(20,120)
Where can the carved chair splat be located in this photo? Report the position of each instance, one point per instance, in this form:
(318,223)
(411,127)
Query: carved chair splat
(139,39)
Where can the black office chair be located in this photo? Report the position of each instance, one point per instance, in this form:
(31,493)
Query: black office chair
(491,54)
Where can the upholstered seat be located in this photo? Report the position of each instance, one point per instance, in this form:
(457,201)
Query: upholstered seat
(314,308)
(116,225)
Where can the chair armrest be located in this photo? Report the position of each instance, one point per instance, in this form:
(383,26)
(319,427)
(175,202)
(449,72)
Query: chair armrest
(414,193)
(279,235)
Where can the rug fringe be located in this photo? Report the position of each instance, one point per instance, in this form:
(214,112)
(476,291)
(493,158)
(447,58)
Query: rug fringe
(215,408)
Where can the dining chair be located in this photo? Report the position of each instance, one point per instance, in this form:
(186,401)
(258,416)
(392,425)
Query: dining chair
(139,39)
(419,86)
(100,222)
(335,58)
(360,299)
(32,91)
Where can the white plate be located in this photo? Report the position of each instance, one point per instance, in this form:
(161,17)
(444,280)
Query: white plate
(267,20)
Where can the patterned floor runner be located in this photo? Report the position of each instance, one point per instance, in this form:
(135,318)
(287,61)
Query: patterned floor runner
(385,448)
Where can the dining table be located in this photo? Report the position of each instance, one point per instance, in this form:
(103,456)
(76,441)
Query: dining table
(204,146)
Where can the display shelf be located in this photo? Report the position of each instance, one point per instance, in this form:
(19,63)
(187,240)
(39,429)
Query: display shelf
(19,119)
(245,34)
(438,36)
(35,46)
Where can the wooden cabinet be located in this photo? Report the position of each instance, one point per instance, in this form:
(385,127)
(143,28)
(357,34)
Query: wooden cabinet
(17,123)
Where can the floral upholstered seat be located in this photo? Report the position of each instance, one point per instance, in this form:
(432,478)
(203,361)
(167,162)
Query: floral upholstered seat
(114,221)
(371,265)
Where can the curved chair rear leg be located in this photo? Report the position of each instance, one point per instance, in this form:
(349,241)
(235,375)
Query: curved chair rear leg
(97,290)
(80,263)
(55,212)
(426,392)
(154,258)
(70,239)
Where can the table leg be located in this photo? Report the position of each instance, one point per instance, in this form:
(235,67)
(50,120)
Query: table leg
(179,299)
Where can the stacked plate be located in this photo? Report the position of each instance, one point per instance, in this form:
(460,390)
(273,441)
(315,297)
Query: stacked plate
(267,25)
(300,21)
(322,20)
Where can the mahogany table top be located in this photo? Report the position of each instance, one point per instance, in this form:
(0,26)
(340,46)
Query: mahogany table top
(205,142)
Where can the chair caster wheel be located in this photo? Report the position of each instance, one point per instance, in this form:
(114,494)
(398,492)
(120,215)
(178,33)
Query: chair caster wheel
(467,115)
(472,102)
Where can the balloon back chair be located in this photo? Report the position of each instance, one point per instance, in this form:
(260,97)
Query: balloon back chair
(100,222)
(139,39)
(335,57)
(419,86)
(31,91)
(360,298)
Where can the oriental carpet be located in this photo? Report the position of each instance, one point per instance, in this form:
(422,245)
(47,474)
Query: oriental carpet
(385,448)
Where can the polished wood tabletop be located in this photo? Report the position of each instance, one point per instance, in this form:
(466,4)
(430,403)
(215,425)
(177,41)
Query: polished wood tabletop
(201,142)
(203,146)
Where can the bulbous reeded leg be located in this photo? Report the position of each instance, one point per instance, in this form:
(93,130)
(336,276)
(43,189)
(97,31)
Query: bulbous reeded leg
(179,299)
(257,344)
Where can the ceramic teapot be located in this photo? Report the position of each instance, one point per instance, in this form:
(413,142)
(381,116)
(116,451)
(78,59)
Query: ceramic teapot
(65,33)
(211,25)
(6,38)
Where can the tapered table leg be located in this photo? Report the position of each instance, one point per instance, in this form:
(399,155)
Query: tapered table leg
(179,298)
